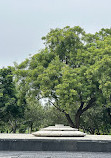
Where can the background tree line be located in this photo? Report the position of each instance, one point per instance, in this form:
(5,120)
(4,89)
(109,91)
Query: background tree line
(72,73)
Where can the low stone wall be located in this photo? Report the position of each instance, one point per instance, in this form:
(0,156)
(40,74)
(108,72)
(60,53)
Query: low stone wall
(30,143)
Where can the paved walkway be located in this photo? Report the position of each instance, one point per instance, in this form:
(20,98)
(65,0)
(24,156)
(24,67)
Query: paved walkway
(53,155)
(30,136)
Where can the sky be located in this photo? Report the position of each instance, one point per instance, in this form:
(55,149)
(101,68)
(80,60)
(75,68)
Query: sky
(24,22)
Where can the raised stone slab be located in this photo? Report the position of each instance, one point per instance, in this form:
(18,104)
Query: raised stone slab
(59,131)
(59,127)
(28,142)
(58,134)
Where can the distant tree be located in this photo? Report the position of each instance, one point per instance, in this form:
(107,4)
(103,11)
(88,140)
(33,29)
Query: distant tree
(53,116)
(9,111)
(33,114)
(96,121)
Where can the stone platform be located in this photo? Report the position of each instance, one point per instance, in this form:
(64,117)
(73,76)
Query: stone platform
(59,130)
(28,142)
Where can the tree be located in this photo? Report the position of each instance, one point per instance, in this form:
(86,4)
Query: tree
(34,114)
(68,71)
(9,111)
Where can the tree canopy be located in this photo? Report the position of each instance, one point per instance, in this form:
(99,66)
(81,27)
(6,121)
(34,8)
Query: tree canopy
(72,71)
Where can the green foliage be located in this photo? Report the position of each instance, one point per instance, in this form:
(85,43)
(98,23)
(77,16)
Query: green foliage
(72,72)
(52,116)
(9,111)
(34,114)
(96,121)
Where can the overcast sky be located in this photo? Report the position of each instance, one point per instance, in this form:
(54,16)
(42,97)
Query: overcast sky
(24,22)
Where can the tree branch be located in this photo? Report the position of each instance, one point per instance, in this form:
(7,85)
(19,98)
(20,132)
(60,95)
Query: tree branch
(69,120)
(61,110)
(90,104)
(80,108)
(67,115)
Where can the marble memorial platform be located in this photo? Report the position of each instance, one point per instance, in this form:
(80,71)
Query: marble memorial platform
(59,130)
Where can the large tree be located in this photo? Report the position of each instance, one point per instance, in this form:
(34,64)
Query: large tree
(72,71)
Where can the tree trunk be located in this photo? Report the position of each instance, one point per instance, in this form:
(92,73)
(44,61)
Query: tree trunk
(14,127)
(69,120)
(14,130)
(92,131)
(109,113)
(81,110)
(77,120)
(31,127)
(78,114)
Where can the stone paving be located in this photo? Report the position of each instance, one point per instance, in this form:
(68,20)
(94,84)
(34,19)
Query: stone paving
(54,155)
(30,136)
